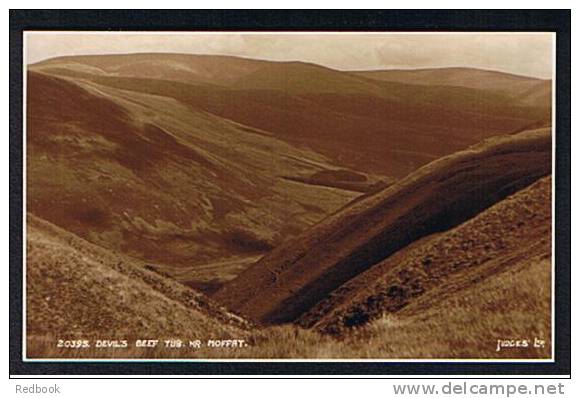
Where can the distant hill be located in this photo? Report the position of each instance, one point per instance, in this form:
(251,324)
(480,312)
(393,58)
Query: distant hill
(184,68)
(514,86)
(373,124)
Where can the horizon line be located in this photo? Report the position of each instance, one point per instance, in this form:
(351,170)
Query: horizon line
(385,69)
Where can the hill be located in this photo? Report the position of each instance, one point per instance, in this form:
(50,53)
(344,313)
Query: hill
(514,86)
(75,289)
(299,273)
(184,68)
(508,237)
(152,177)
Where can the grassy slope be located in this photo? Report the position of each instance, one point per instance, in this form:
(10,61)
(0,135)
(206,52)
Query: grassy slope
(423,274)
(514,304)
(302,271)
(78,290)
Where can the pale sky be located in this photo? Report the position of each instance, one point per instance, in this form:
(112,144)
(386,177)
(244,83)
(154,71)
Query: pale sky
(528,54)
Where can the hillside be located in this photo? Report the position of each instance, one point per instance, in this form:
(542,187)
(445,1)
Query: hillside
(151,177)
(512,303)
(303,271)
(75,289)
(509,236)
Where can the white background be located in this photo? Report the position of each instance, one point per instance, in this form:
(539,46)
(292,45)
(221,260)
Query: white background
(255,388)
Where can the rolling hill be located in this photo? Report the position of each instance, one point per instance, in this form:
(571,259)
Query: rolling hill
(367,124)
(184,68)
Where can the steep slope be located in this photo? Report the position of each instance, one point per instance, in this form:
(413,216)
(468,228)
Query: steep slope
(75,289)
(512,304)
(302,271)
(154,178)
(375,126)
(509,236)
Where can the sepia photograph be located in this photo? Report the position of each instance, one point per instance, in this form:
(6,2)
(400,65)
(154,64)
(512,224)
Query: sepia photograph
(282,196)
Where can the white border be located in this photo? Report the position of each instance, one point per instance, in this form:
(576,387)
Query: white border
(225,360)
(24,191)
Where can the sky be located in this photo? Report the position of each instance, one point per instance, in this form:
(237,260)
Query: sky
(529,54)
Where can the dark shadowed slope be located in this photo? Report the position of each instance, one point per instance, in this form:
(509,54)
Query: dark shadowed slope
(302,271)
(510,235)
(370,125)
